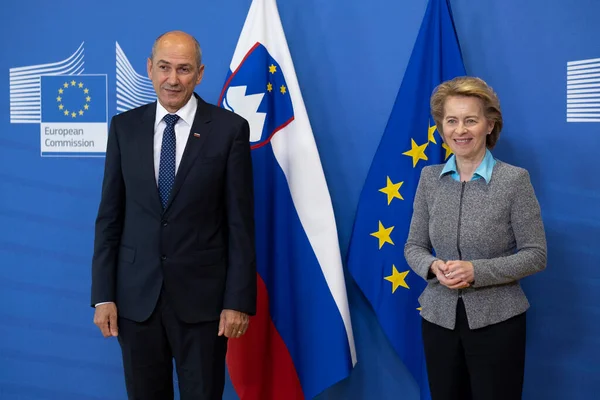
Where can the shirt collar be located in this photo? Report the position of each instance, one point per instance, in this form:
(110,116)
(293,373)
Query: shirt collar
(484,170)
(186,113)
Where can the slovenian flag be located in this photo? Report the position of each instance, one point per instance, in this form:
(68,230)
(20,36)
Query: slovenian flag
(300,342)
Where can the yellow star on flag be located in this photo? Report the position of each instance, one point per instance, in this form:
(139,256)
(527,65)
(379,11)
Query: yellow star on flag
(282,89)
(383,234)
(392,190)
(66,112)
(80,112)
(269,87)
(86,91)
(272,68)
(60,91)
(58,98)
(448,151)
(430,133)
(73,114)
(60,106)
(73,83)
(66,85)
(88,99)
(416,152)
(86,106)
(80,85)
(397,279)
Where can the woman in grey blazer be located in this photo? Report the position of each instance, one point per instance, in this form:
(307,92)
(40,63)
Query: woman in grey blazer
(476,231)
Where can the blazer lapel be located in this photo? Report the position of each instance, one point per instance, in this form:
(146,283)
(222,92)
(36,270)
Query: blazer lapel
(200,130)
(146,156)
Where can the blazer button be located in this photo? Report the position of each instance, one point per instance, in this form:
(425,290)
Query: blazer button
(163,257)
(165,223)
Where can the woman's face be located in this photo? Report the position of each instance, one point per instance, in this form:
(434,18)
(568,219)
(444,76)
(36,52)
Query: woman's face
(465,127)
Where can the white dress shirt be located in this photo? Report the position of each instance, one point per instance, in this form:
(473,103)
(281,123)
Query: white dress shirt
(182,132)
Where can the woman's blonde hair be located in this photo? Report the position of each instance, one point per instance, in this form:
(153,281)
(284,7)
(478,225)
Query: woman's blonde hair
(471,87)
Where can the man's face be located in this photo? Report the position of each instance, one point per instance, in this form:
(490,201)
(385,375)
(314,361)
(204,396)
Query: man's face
(174,71)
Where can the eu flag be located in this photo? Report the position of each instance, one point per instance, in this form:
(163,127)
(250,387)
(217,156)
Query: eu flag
(74,98)
(410,141)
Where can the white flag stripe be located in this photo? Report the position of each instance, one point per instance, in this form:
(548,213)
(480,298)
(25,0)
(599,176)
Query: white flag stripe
(302,166)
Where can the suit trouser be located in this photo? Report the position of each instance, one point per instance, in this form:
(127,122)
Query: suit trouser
(480,364)
(148,350)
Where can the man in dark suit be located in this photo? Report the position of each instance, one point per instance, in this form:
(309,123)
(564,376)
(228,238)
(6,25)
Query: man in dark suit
(174,270)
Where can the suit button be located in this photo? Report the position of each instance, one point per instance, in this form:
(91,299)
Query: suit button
(165,223)
(163,257)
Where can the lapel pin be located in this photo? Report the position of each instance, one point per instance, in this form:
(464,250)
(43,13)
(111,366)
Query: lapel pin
(196,135)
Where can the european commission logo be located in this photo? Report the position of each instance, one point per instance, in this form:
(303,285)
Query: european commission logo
(71,107)
(583,90)
(74,115)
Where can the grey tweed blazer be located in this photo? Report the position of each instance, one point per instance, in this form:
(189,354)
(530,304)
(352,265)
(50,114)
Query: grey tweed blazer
(496,225)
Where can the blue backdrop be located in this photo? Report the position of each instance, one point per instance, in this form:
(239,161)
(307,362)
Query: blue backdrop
(350,58)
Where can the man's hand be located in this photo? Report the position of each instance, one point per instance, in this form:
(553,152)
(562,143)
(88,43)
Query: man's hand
(233,324)
(105,318)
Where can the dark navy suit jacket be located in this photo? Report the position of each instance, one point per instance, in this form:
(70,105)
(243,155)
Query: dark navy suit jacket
(200,248)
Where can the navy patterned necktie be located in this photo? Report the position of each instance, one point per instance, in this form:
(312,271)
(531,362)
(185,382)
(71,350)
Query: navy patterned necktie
(166,169)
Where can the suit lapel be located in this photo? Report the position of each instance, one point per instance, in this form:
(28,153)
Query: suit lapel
(146,156)
(201,127)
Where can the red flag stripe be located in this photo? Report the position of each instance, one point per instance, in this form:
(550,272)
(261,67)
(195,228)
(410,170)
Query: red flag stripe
(259,363)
